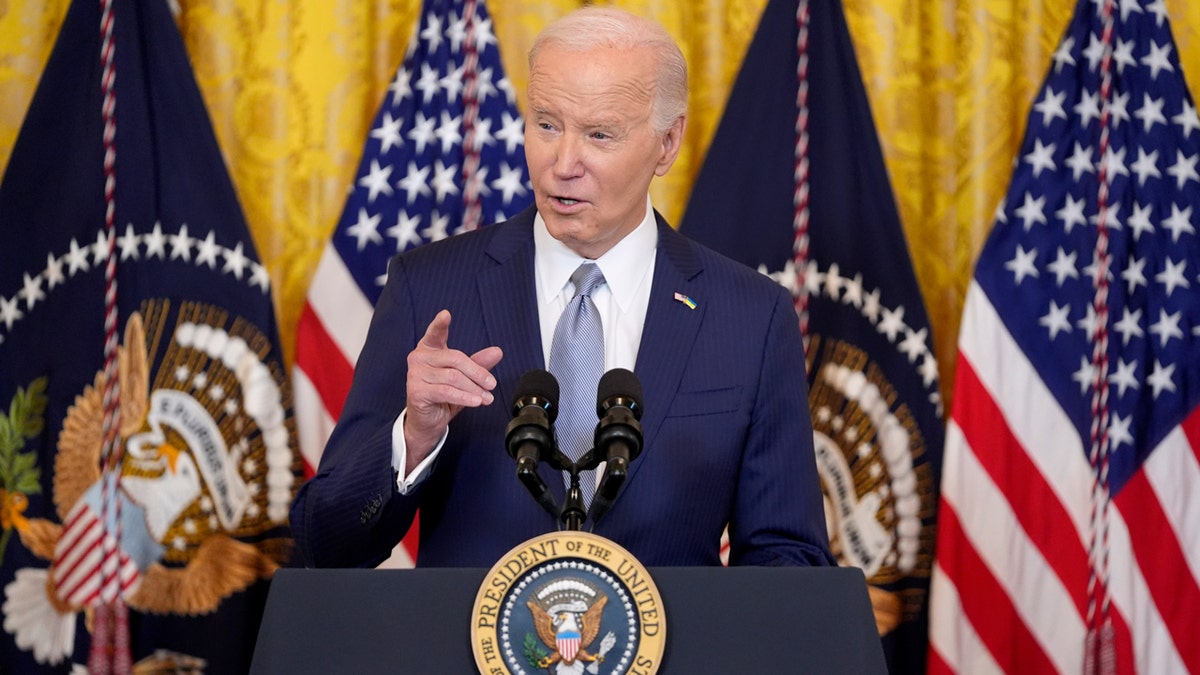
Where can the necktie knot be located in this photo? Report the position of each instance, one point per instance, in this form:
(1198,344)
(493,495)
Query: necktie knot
(587,278)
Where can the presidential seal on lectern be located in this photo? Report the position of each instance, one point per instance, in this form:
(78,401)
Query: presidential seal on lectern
(571,602)
(568,602)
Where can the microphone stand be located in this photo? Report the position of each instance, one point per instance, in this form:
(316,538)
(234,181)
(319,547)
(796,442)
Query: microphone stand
(574,511)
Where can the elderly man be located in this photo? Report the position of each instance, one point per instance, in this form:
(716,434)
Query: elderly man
(716,346)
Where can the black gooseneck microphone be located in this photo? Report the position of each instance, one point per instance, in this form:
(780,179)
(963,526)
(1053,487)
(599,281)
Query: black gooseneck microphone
(529,437)
(618,437)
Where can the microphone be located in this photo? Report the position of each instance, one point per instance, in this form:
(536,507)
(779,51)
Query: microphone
(529,437)
(618,434)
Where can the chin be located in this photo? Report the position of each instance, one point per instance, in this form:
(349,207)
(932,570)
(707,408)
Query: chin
(562,226)
(578,238)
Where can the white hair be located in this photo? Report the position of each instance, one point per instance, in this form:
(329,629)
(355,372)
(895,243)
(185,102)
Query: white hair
(592,27)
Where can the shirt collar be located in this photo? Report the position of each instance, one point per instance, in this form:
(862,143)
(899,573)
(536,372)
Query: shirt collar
(623,265)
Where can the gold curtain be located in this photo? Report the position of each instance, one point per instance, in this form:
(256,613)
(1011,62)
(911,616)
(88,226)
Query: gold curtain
(951,83)
(292,86)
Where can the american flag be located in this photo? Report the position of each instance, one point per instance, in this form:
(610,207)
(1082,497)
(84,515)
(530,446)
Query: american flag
(444,154)
(1069,527)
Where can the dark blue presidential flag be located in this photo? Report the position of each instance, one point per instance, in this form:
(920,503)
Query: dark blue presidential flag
(794,185)
(203,424)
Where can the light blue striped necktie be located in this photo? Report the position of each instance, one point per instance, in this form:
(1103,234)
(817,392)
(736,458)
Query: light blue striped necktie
(577,362)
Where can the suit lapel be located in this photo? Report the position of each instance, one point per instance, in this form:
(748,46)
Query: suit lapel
(669,333)
(510,313)
(509,301)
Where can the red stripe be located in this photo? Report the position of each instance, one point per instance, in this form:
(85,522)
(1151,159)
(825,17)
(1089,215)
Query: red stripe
(412,537)
(323,362)
(934,665)
(1033,501)
(1164,566)
(985,603)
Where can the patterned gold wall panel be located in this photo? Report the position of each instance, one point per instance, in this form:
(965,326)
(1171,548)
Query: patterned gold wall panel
(292,88)
(27,32)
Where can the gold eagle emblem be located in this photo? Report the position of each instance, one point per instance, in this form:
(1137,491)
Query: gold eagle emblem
(202,563)
(566,624)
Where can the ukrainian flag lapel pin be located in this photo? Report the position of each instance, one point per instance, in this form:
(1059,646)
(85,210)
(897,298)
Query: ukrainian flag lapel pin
(685,300)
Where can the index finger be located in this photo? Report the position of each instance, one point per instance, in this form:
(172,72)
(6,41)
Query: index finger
(437,335)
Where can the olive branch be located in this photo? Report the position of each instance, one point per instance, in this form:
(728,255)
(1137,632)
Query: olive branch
(534,651)
(19,472)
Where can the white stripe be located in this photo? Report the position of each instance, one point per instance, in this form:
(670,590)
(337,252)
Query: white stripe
(950,634)
(1153,649)
(1174,475)
(313,422)
(1031,411)
(992,529)
(343,309)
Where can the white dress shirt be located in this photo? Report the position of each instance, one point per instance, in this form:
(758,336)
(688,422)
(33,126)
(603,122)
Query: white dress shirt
(622,301)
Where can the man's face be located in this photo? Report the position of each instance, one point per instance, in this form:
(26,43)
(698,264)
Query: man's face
(590,145)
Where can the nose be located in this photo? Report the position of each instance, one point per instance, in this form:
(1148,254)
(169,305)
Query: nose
(568,156)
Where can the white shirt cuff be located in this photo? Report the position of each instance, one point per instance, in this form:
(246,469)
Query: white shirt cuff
(404,484)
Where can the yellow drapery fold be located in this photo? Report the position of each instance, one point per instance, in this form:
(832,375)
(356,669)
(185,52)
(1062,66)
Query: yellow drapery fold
(292,86)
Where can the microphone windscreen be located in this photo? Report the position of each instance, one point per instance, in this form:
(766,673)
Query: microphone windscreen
(539,384)
(620,383)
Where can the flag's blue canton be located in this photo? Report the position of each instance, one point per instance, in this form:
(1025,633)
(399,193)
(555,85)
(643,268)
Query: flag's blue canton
(409,188)
(1039,265)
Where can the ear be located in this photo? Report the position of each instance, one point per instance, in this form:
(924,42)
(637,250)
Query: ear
(672,139)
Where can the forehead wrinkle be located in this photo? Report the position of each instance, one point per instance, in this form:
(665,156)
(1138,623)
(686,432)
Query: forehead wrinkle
(583,81)
(613,105)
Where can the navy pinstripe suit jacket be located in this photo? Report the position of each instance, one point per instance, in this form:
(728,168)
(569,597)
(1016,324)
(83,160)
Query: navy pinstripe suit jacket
(726,421)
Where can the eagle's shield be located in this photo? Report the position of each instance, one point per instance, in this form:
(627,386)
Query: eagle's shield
(567,642)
